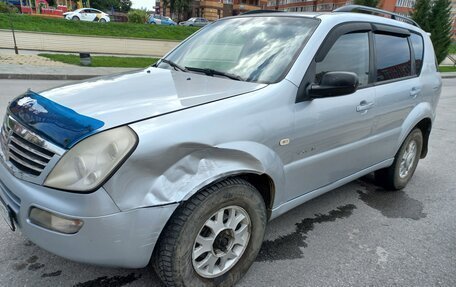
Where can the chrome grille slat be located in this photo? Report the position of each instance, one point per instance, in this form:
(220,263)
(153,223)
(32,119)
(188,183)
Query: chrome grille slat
(16,150)
(30,149)
(24,150)
(20,161)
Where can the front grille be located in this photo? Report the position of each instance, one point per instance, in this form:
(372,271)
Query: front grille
(22,153)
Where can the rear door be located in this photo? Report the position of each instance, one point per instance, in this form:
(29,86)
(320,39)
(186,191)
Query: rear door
(92,15)
(332,134)
(199,22)
(397,86)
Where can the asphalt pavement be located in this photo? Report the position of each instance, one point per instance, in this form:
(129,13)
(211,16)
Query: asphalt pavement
(356,235)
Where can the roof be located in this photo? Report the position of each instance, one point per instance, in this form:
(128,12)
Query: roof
(341,16)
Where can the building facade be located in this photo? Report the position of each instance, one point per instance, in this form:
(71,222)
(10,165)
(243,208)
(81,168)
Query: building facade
(216,9)
(403,7)
(306,5)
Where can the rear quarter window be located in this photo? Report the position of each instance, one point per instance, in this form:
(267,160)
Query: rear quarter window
(418,50)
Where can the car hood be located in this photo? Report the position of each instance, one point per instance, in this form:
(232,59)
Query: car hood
(70,113)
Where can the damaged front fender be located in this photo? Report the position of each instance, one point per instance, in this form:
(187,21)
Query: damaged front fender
(140,185)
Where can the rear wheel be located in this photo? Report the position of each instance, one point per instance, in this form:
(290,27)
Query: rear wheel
(213,238)
(405,162)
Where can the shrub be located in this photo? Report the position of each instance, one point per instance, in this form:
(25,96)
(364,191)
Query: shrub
(138,16)
(7,8)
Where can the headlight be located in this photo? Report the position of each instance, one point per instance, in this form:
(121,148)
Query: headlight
(87,165)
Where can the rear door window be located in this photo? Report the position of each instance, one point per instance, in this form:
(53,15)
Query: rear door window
(393,59)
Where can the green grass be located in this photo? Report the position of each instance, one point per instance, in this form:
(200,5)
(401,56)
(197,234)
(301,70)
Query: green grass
(104,61)
(130,30)
(444,69)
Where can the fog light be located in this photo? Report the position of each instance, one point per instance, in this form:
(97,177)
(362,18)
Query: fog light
(54,222)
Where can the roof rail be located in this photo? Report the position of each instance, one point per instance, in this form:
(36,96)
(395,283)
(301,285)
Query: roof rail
(260,11)
(394,16)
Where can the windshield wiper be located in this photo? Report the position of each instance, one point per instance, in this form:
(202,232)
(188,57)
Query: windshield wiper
(174,65)
(212,72)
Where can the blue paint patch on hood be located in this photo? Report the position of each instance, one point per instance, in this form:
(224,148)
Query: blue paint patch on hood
(61,125)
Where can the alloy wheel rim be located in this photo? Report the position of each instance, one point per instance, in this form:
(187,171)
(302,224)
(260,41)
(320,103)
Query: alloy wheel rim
(408,159)
(221,241)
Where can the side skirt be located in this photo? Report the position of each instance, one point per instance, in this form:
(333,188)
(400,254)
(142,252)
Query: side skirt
(281,209)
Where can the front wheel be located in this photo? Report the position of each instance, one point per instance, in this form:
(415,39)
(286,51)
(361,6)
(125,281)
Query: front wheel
(213,238)
(103,20)
(75,18)
(405,162)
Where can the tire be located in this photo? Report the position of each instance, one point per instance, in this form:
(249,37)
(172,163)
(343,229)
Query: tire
(401,171)
(75,18)
(103,20)
(176,256)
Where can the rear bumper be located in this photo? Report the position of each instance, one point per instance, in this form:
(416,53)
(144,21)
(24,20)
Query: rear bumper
(108,237)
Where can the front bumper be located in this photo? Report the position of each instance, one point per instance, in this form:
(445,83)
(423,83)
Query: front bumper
(108,237)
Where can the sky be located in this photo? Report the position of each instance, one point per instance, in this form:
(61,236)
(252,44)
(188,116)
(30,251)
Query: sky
(138,4)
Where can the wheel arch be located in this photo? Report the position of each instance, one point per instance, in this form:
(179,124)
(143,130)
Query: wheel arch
(425,125)
(420,117)
(262,182)
(254,163)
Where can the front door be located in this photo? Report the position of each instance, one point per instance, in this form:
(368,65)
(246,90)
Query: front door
(332,134)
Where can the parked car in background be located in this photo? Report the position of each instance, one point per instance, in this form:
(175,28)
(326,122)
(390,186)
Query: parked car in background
(87,14)
(161,20)
(198,22)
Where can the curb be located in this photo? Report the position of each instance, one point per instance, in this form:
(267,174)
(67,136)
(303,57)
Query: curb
(451,76)
(45,77)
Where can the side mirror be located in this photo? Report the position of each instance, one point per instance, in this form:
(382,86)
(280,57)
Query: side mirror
(334,84)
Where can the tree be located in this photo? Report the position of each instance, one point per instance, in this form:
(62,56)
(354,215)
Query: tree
(370,3)
(164,6)
(125,6)
(421,14)
(108,5)
(440,28)
(181,6)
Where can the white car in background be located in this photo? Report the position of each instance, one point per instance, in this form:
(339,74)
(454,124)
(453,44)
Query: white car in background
(87,14)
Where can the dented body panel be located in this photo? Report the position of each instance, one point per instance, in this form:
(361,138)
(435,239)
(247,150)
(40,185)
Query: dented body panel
(236,136)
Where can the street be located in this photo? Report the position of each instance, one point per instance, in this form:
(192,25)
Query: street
(356,235)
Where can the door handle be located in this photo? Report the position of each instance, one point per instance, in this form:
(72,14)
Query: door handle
(364,106)
(414,92)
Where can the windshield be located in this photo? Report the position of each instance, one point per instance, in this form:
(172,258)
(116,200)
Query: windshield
(255,49)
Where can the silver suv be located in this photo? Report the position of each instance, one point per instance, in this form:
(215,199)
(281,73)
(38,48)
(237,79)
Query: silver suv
(185,162)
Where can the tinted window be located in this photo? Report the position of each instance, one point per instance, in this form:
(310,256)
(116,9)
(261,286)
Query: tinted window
(392,57)
(350,53)
(418,49)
